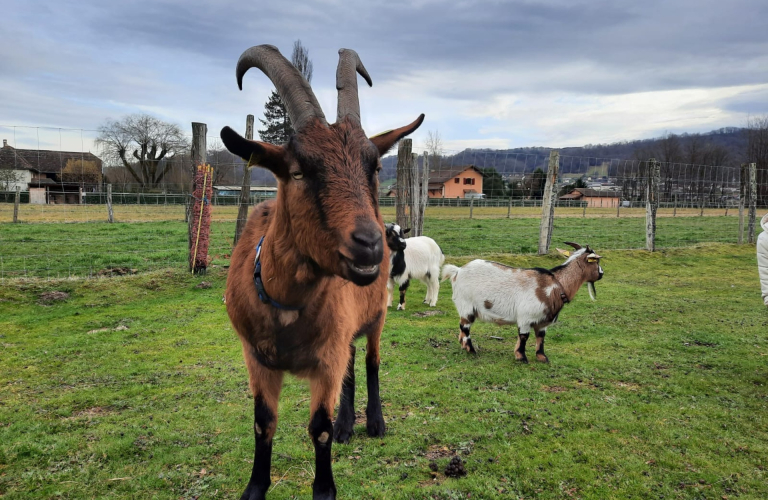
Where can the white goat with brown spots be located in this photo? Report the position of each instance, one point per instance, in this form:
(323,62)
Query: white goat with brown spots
(531,298)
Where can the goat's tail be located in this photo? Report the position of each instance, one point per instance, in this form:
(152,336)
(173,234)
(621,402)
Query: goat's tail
(450,271)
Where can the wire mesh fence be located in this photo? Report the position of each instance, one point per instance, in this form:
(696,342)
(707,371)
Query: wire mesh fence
(479,202)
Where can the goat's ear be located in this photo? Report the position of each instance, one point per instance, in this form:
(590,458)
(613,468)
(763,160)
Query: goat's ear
(564,252)
(386,140)
(257,153)
(406,230)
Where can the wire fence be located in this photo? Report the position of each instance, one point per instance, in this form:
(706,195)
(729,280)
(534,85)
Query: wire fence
(479,202)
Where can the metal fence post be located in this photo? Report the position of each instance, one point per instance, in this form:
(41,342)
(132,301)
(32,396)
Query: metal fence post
(245,190)
(110,215)
(652,203)
(471,206)
(548,203)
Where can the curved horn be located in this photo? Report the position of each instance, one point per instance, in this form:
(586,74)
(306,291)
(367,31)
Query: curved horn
(294,90)
(346,84)
(576,246)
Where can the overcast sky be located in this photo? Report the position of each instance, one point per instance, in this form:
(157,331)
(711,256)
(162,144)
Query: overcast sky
(486,74)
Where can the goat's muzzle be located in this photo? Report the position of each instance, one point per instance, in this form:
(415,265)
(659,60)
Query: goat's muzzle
(363,254)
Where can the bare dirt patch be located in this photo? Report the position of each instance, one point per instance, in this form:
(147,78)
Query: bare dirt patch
(116,271)
(48,298)
(553,388)
(437,451)
(426,314)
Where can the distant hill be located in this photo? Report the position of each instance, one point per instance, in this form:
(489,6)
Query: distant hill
(724,146)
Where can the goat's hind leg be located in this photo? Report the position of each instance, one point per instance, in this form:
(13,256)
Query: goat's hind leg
(540,345)
(265,385)
(464,338)
(433,289)
(522,338)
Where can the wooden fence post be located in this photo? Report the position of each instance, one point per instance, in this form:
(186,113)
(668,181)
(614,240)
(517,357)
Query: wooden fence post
(110,214)
(742,199)
(424,192)
(548,203)
(16,201)
(199,156)
(414,190)
(245,189)
(652,203)
(752,202)
(401,185)
(471,206)
(674,210)
(509,206)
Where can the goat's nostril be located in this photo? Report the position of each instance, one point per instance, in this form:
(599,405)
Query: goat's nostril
(367,238)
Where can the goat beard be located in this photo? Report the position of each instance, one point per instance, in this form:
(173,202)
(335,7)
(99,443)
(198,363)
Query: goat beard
(591,288)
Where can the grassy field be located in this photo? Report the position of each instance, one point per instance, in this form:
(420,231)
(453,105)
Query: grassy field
(154,237)
(134,387)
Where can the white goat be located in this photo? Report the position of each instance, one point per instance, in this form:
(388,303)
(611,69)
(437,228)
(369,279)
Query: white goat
(531,298)
(415,258)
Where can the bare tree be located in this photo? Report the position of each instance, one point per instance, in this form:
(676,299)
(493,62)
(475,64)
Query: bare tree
(300,59)
(144,145)
(757,152)
(8,179)
(81,171)
(434,146)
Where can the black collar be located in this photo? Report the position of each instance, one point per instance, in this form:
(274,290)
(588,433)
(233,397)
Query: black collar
(257,281)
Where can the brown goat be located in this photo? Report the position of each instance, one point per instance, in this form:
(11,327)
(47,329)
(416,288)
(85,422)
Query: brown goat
(321,278)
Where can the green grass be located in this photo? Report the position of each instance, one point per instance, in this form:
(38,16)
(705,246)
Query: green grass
(135,387)
(85,248)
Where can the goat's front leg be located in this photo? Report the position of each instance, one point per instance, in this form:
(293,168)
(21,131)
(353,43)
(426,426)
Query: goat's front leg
(540,345)
(265,385)
(374,419)
(344,426)
(390,290)
(324,391)
(403,288)
(522,338)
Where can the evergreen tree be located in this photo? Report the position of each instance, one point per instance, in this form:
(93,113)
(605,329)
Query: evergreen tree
(276,122)
(494,185)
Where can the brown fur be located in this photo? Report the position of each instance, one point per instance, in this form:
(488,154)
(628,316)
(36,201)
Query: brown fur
(307,234)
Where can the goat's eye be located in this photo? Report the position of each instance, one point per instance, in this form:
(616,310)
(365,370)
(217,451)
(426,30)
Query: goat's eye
(297,175)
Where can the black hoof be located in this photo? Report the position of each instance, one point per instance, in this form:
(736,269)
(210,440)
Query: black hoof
(376,426)
(343,430)
(253,492)
(325,495)
(522,360)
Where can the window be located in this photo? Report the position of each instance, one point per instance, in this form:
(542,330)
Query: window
(469,181)
(456,180)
